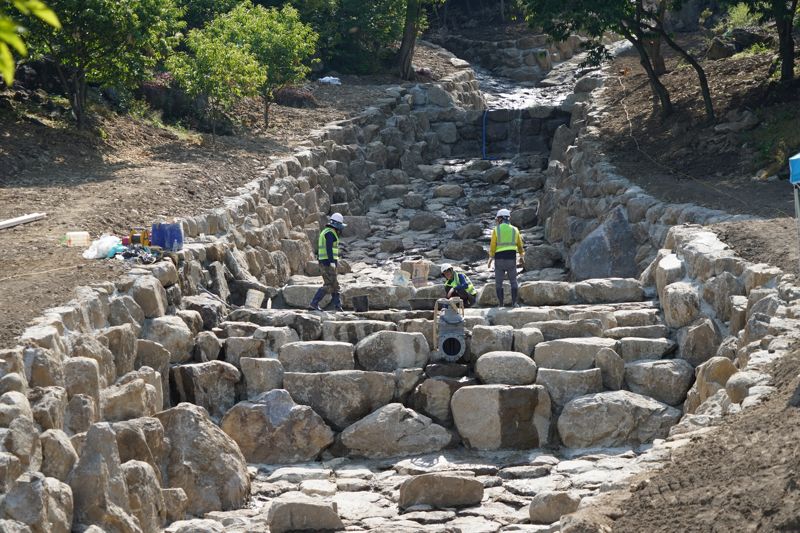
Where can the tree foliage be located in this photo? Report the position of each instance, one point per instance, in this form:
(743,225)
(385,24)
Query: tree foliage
(639,21)
(216,70)
(197,13)
(11,31)
(107,42)
(281,43)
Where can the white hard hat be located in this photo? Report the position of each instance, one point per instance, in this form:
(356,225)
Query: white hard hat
(338,220)
(503,213)
(445,267)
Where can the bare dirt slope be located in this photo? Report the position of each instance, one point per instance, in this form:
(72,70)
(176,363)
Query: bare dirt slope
(682,158)
(741,477)
(129,172)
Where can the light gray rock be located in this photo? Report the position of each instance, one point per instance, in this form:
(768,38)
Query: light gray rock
(144,495)
(386,351)
(609,290)
(353,331)
(667,380)
(341,397)
(491,339)
(609,250)
(699,342)
(210,385)
(432,397)
(612,368)
(394,430)
(634,348)
(100,495)
(292,512)
(545,293)
(526,339)
(426,222)
(261,375)
(440,491)
(316,356)
(150,295)
(58,455)
(172,333)
(275,337)
(571,354)
(203,461)
(566,385)
(273,429)
(505,368)
(43,504)
(492,417)
(550,505)
(710,377)
(618,418)
(681,304)
(739,384)
(564,329)
(124,401)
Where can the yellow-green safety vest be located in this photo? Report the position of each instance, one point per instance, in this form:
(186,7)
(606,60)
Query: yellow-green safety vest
(453,282)
(506,237)
(322,252)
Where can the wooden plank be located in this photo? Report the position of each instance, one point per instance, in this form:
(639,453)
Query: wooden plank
(11,222)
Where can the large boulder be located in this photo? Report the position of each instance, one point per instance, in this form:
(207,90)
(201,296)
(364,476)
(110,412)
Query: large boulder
(432,397)
(144,495)
(609,290)
(490,339)
(172,333)
(699,342)
(545,293)
(386,351)
(342,397)
(126,401)
(295,512)
(526,339)
(565,385)
(203,461)
(272,428)
(150,295)
(43,504)
(316,356)
(618,418)
(711,377)
(609,250)
(58,454)
(505,368)
(491,417)
(211,385)
(681,304)
(565,329)
(440,491)
(426,222)
(353,331)
(381,296)
(260,375)
(612,368)
(667,380)
(275,337)
(142,439)
(519,317)
(550,505)
(394,430)
(571,354)
(99,491)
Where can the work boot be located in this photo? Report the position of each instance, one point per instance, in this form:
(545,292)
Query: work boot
(500,296)
(314,305)
(336,300)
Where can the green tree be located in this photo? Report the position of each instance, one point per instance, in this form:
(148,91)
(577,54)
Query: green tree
(108,42)
(636,20)
(199,12)
(783,13)
(11,32)
(278,39)
(216,70)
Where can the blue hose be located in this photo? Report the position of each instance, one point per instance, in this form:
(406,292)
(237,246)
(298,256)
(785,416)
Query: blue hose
(485,156)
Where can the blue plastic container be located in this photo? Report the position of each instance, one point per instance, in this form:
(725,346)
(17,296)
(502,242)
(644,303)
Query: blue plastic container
(167,236)
(794,169)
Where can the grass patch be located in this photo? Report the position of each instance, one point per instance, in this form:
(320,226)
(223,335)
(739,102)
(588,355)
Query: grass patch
(756,49)
(778,137)
(738,16)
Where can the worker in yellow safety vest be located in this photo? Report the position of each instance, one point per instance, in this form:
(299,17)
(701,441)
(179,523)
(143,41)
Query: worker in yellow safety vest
(504,251)
(328,257)
(458,284)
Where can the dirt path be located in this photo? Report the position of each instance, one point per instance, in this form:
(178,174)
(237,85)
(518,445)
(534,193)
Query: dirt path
(131,173)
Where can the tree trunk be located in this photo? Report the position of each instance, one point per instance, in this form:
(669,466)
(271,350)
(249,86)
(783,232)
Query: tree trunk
(653,45)
(659,91)
(406,53)
(784,20)
(701,75)
(78,98)
(267,104)
(502,10)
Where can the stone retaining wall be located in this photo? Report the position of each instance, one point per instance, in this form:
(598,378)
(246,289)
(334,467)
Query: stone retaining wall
(729,317)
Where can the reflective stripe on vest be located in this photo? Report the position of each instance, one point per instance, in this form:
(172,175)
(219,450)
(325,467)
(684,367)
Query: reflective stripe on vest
(506,237)
(453,283)
(322,252)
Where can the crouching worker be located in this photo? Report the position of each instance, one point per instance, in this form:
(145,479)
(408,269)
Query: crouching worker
(328,257)
(458,284)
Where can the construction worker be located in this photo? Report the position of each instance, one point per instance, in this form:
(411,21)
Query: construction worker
(328,257)
(458,284)
(504,251)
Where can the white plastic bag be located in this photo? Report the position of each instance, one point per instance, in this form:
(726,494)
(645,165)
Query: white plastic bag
(330,80)
(99,248)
